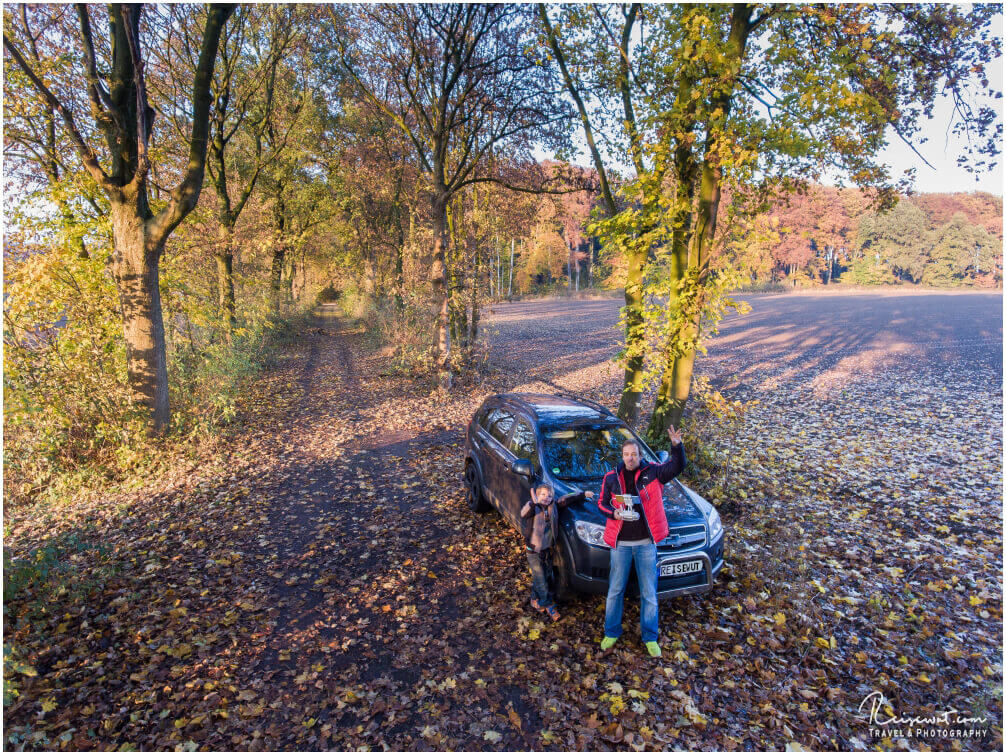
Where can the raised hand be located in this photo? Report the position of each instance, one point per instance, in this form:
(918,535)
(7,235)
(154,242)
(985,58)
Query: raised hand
(674,435)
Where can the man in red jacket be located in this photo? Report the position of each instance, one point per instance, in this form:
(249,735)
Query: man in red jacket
(635,540)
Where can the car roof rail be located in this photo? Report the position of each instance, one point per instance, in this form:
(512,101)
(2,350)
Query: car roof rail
(589,402)
(515,403)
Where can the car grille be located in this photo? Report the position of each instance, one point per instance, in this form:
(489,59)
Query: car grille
(683,539)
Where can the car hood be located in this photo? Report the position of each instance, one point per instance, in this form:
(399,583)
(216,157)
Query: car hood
(678,502)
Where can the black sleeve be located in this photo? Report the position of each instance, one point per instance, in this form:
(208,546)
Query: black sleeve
(527,507)
(604,501)
(673,466)
(572,498)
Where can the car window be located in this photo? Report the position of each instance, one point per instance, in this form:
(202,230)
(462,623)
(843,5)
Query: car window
(523,444)
(583,453)
(487,416)
(482,417)
(499,423)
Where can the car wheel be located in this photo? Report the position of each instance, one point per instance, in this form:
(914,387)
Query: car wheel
(561,568)
(473,490)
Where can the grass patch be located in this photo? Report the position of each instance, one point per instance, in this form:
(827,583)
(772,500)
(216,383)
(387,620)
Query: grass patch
(64,569)
(54,568)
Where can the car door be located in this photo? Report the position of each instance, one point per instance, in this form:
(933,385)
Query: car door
(499,422)
(478,439)
(522,445)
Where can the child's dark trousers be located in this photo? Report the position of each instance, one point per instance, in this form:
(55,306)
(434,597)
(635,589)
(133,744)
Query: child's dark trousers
(539,579)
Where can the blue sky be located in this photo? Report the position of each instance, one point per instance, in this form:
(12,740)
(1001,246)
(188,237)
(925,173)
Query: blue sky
(942,149)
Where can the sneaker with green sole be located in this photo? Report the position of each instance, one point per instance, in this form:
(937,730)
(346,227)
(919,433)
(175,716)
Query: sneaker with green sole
(653,649)
(607,642)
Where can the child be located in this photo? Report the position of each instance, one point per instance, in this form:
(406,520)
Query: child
(539,524)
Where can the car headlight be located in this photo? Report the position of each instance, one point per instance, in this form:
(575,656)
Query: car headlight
(715,525)
(590,533)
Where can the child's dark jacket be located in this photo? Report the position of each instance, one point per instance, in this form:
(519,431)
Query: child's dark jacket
(539,524)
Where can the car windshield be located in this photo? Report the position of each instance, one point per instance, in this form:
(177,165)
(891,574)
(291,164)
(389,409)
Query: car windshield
(585,452)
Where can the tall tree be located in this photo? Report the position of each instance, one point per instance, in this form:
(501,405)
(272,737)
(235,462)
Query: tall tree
(248,87)
(745,98)
(462,85)
(121,114)
(901,236)
(245,94)
(608,76)
(960,252)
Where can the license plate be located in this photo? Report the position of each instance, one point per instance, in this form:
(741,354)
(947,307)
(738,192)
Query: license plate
(677,568)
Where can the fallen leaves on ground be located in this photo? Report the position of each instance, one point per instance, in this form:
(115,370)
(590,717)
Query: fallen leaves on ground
(317,582)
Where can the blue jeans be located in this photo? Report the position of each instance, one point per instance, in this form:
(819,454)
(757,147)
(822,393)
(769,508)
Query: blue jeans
(622,557)
(539,581)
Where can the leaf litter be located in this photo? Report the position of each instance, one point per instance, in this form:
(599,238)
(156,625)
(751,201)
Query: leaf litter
(317,582)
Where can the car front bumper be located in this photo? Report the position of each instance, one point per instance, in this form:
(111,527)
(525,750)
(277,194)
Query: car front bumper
(591,572)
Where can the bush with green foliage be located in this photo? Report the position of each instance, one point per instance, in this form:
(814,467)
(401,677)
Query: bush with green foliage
(68,411)
(867,271)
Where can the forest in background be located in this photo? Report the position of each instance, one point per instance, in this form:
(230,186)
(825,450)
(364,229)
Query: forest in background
(830,235)
(182,183)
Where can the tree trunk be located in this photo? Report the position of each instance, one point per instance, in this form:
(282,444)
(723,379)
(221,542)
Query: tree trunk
(569,266)
(679,383)
(399,276)
(677,378)
(369,276)
(225,288)
(473,320)
(438,278)
(491,283)
(303,273)
(278,253)
(676,386)
(628,407)
(509,288)
(497,274)
(135,268)
(666,411)
(495,277)
(276,279)
(457,304)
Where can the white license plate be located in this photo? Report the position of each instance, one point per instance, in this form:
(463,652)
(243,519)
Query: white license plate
(677,568)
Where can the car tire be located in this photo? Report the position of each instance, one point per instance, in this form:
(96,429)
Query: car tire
(473,489)
(561,568)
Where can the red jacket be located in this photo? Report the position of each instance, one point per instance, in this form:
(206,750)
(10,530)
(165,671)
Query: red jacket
(650,481)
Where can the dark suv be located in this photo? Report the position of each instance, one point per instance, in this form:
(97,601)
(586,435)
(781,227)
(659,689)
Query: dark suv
(515,439)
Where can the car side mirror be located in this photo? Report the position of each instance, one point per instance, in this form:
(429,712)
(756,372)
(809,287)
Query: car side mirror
(522,467)
(663,456)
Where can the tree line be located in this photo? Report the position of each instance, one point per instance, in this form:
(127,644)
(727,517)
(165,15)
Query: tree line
(183,179)
(827,235)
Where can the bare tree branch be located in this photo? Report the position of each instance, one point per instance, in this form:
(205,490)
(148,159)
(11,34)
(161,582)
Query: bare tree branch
(184,196)
(87,155)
